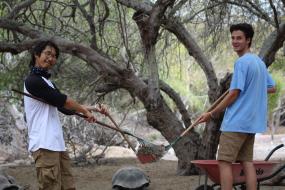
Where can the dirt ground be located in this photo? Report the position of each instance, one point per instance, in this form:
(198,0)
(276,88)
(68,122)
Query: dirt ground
(162,173)
(99,177)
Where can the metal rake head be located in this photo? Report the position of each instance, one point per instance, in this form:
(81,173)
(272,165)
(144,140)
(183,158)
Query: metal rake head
(148,152)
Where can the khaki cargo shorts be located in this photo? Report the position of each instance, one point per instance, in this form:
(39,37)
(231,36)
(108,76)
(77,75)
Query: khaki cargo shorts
(236,146)
(53,170)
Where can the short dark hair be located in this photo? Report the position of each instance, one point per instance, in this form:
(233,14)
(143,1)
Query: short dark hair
(38,49)
(246,28)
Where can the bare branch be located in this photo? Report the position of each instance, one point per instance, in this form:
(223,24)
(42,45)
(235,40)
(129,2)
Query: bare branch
(122,28)
(158,11)
(275,14)
(16,48)
(272,44)
(194,50)
(135,5)
(106,13)
(21,28)
(177,7)
(188,41)
(99,62)
(189,18)
(19,7)
(45,11)
(178,102)
(259,9)
(149,27)
(90,20)
(253,8)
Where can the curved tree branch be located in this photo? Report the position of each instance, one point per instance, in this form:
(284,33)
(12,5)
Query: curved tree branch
(149,25)
(191,17)
(272,44)
(21,28)
(177,28)
(90,20)
(178,102)
(275,14)
(177,7)
(195,51)
(97,60)
(19,7)
(254,9)
(16,48)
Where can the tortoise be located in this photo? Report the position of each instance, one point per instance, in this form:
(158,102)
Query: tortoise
(132,178)
(7,182)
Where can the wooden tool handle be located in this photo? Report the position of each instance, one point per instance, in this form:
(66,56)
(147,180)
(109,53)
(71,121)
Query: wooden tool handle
(196,122)
(117,128)
(124,136)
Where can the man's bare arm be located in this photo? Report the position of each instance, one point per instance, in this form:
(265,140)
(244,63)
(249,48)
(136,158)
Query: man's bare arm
(271,90)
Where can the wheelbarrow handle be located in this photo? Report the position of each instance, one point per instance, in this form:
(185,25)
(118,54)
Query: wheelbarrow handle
(272,151)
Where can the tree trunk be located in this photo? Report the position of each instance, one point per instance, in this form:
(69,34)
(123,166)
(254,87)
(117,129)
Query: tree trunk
(164,120)
(186,149)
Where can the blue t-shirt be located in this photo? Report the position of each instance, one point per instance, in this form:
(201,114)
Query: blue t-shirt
(248,114)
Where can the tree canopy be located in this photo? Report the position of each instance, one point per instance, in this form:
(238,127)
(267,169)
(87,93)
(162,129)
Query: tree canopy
(112,45)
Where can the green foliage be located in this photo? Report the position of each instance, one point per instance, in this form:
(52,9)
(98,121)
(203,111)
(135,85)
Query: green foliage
(183,75)
(273,98)
(12,76)
(74,78)
(176,67)
(278,65)
(277,69)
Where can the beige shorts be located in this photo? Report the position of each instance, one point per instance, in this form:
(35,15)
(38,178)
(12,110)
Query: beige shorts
(236,146)
(53,170)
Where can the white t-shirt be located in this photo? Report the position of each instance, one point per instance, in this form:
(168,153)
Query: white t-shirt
(44,127)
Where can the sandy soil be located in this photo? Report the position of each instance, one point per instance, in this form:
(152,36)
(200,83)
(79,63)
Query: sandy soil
(99,177)
(162,173)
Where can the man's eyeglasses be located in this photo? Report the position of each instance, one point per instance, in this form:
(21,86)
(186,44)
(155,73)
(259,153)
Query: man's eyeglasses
(49,54)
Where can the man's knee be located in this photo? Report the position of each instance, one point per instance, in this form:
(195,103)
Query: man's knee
(223,163)
(48,178)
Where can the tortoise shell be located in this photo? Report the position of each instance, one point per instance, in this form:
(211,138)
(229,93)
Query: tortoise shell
(130,178)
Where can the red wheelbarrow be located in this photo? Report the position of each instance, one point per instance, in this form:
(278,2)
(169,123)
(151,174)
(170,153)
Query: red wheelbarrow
(264,171)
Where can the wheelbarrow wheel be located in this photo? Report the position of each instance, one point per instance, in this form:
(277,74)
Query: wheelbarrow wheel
(201,187)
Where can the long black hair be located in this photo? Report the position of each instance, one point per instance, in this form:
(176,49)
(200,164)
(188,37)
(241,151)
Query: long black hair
(38,49)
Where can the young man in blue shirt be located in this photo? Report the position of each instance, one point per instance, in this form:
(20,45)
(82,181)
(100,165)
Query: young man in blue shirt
(246,109)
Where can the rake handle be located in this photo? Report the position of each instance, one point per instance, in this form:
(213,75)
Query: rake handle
(75,113)
(114,128)
(29,95)
(123,134)
(117,126)
(209,109)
